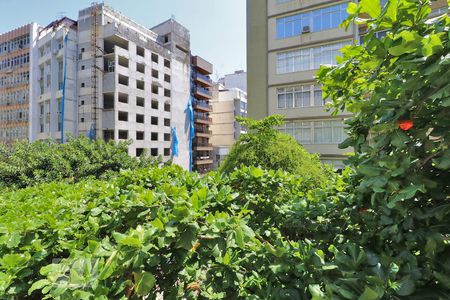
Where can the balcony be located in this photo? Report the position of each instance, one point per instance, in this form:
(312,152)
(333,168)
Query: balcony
(202,65)
(202,106)
(202,118)
(202,80)
(202,93)
(202,146)
(202,161)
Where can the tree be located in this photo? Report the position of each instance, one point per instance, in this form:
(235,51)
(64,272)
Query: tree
(265,146)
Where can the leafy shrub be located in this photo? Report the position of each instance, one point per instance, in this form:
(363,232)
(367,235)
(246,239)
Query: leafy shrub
(26,164)
(153,230)
(265,146)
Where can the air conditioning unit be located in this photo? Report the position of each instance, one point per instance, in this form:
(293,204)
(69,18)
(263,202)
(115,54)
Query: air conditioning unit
(306,29)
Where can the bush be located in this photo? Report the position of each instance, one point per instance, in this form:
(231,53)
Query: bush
(155,230)
(26,164)
(270,149)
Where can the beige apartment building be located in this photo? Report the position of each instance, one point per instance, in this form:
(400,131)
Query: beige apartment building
(227,104)
(287,41)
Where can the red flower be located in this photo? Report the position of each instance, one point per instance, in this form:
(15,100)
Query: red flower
(405,125)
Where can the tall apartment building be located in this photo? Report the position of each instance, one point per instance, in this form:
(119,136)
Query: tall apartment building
(16,82)
(227,104)
(55,75)
(201,95)
(287,41)
(125,80)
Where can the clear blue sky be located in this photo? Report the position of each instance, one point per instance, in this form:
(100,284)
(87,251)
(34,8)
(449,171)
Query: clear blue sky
(217,27)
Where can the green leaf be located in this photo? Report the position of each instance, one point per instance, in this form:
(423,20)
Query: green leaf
(369,294)
(316,292)
(372,7)
(405,287)
(431,44)
(442,279)
(352,9)
(144,282)
(256,172)
(37,285)
(157,223)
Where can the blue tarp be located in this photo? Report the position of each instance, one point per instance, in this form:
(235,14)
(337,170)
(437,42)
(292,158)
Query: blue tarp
(190,112)
(174,141)
(64,88)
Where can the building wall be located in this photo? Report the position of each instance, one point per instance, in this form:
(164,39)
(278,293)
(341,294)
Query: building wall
(257,68)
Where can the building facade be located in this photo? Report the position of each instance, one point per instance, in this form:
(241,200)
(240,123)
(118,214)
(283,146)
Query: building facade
(55,71)
(227,104)
(287,42)
(201,95)
(16,82)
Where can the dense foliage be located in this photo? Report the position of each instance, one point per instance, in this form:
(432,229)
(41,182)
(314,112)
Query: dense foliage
(398,87)
(268,148)
(25,164)
(159,230)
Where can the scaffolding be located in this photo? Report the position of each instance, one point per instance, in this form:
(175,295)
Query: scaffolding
(94,71)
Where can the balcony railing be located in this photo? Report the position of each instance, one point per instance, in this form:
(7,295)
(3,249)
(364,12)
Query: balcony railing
(202,144)
(202,77)
(201,90)
(200,116)
(202,104)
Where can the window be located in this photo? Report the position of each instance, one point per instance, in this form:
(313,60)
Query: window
(154,151)
(290,97)
(155,104)
(166,107)
(140,68)
(155,73)
(140,135)
(166,151)
(155,89)
(123,79)
(140,51)
(309,58)
(140,101)
(167,122)
(167,137)
(139,151)
(123,134)
(81,120)
(82,67)
(123,116)
(155,58)
(167,78)
(154,120)
(140,84)
(167,63)
(316,132)
(108,135)
(82,84)
(154,136)
(167,92)
(139,118)
(317,20)
(123,98)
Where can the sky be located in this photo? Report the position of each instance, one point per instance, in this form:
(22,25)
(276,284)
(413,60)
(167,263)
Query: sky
(217,28)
